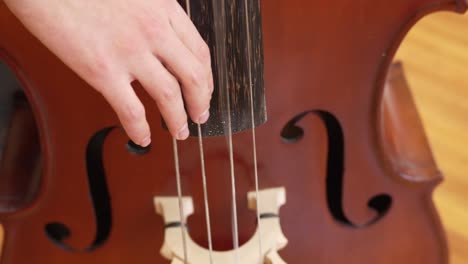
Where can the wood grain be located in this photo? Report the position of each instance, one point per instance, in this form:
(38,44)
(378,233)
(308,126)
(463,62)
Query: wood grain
(237,62)
(435,55)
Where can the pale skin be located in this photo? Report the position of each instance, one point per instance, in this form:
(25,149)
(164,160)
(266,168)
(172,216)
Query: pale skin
(111,43)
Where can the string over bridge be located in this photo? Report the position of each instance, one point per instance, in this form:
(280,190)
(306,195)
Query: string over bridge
(271,233)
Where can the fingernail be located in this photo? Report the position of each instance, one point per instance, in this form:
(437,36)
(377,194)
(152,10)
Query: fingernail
(204,117)
(146,142)
(183,133)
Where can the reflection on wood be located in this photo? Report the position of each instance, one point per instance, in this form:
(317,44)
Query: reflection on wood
(404,138)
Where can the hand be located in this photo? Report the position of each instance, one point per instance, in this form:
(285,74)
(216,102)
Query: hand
(111,43)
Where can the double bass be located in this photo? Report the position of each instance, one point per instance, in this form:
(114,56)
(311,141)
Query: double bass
(307,156)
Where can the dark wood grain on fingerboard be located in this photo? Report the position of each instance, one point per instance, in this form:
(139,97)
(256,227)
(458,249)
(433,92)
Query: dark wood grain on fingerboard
(235,52)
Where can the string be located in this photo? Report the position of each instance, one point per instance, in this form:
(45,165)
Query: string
(231,151)
(202,160)
(179,194)
(219,19)
(254,141)
(233,188)
(235,226)
(205,194)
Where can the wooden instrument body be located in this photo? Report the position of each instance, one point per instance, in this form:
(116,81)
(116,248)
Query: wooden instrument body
(328,59)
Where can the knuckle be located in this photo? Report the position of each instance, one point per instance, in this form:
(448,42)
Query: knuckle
(204,54)
(99,70)
(133,112)
(197,78)
(210,85)
(205,97)
(211,89)
(152,28)
(170,94)
(128,47)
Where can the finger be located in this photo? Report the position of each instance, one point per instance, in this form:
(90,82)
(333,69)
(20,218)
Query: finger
(130,111)
(190,72)
(165,90)
(189,35)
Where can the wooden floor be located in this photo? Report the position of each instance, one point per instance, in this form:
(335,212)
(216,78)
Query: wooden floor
(435,56)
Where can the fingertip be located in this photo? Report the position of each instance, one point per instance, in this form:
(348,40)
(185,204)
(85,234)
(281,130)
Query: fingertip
(183,133)
(138,130)
(139,134)
(146,142)
(131,113)
(203,118)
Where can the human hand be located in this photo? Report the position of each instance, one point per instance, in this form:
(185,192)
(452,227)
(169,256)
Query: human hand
(110,43)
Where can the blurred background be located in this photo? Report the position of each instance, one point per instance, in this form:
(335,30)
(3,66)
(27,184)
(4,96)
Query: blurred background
(435,58)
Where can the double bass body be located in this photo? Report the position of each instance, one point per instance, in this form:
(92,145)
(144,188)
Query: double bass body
(331,141)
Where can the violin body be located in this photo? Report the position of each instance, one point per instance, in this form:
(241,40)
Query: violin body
(358,177)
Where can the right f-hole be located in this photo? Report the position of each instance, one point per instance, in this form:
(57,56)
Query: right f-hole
(20,152)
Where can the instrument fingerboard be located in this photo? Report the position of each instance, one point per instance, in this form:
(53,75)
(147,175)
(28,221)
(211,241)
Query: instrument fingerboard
(234,35)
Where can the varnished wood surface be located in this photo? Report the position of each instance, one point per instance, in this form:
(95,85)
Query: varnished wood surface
(435,56)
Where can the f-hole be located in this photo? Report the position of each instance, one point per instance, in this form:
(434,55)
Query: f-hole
(292,133)
(59,232)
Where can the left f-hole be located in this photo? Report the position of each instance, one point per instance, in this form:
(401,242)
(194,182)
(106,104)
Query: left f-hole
(59,232)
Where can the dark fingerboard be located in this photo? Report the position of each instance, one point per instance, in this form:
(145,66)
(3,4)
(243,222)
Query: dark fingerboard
(224,28)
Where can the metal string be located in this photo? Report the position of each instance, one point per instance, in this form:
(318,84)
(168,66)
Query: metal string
(203,170)
(219,5)
(205,194)
(233,187)
(254,141)
(231,158)
(179,195)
